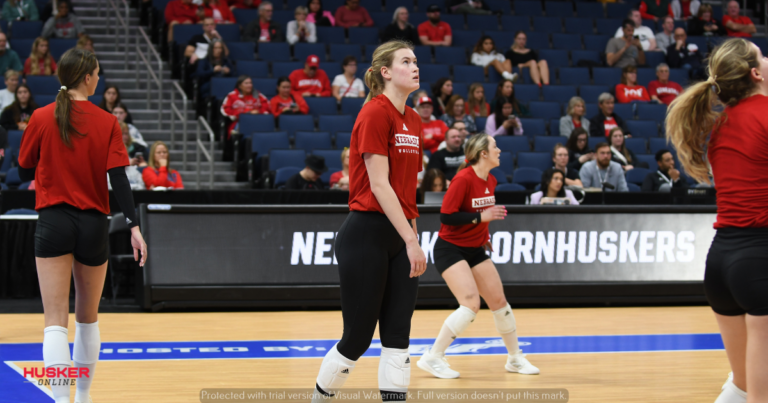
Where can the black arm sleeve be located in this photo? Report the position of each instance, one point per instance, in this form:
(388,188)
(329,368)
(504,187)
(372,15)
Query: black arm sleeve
(460,218)
(122,188)
(26,174)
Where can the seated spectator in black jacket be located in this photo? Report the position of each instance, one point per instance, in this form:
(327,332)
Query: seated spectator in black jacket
(620,153)
(197,47)
(16,115)
(400,28)
(601,125)
(263,29)
(704,25)
(666,178)
(448,159)
(578,149)
(216,64)
(686,55)
(309,177)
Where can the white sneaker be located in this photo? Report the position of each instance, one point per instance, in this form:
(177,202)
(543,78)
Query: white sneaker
(437,365)
(731,393)
(509,76)
(519,364)
(730,379)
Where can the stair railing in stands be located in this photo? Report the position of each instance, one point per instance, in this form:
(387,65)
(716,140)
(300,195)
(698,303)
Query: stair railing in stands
(122,22)
(182,115)
(151,75)
(200,146)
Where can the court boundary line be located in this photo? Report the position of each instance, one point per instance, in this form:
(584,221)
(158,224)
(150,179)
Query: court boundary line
(21,373)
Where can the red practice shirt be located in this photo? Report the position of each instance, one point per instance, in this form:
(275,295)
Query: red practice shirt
(737,153)
(319,84)
(741,20)
(609,124)
(666,92)
(468,193)
(435,33)
(626,93)
(76,176)
(381,129)
(433,134)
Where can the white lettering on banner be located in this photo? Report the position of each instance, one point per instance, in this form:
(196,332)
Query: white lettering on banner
(406,140)
(502,247)
(523,246)
(302,248)
(627,247)
(544,246)
(646,246)
(685,243)
(583,256)
(608,252)
(563,246)
(322,247)
(665,246)
(428,240)
(484,202)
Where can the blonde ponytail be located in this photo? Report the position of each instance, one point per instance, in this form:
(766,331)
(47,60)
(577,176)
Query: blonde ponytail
(382,57)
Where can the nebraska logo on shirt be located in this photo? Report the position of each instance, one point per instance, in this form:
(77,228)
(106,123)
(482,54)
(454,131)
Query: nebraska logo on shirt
(667,90)
(307,82)
(405,128)
(486,191)
(635,93)
(406,140)
(484,202)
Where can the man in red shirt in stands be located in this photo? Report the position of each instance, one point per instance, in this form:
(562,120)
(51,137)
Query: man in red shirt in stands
(432,131)
(435,32)
(655,9)
(181,12)
(353,15)
(737,25)
(311,81)
(662,90)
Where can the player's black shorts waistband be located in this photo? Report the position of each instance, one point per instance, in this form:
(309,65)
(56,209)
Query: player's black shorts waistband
(447,254)
(64,229)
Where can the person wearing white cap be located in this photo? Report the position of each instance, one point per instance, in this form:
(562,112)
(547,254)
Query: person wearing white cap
(311,81)
(432,131)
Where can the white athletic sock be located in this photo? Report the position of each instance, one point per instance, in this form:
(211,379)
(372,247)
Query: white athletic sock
(56,355)
(454,325)
(443,341)
(86,355)
(507,327)
(731,394)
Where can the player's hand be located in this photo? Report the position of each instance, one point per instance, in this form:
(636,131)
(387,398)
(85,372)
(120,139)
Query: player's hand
(493,213)
(488,246)
(417,258)
(139,246)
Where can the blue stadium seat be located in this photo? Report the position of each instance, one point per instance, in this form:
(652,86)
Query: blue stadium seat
(592,108)
(351,106)
(295,123)
(302,50)
(608,26)
(539,160)
(590,93)
(649,159)
(546,144)
(593,141)
(513,144)
(480,122)
(371,5)
(596,42)
(625,111)
(325,178)
(545,110)
(590,55)
(241,51)
(14,139)
(444,55)
(617,10)
(28,29)
(556,58)
(340,51)
(482,22)
(633,188)
(280,69)
(579,25)
(309,141)
(282,17)
(182,33)
(559,93)
(392,5)
(510,187)
(461,89)
(263,142)
(679,76)
(322,106)
(659,143)
(59,46)
(434,70)
(332,158)
(504,6)
(249,124)
(504,39)
(273,52)
(656,112)
(243,16)
(340,123)
(342,139)
(501,176)
(43,100)
(490,88)
(637,145)
(43,85)
(528,176)
(527,92)
(533,127)
(558,8)
(515,23)
(330,35)
(267,86)
(528,7)
(609,76)
(566,41)
(701,41)
(574,76)
(653,59)
(363,35)
(3,186)
(645,75)
(643,128)
(466,39)
(537,40)
(549,25)
(507,162)
(469,74)
(423,54)
(286,158)
(12,177)
(252,68)
(332,69)
(381,19)
(283,174)
(22,47)
(230,33)
(221,86)
(456,21)
(637,175)
(589,9)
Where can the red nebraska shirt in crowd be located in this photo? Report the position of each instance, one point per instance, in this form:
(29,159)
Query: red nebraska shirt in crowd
(610,123)
(737,153)
(626,93)
(666,92)
(435,33)
(78,175)
(743,20)
(433,134)
(319,84)
(468,193)
(381,129)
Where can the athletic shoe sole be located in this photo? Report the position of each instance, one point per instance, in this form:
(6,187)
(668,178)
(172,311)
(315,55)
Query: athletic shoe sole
(432,371)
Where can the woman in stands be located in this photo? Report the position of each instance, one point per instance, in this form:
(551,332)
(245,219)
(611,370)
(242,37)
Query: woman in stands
(136,152)
(442,90)
(158,173)
(619,151)
(578,149)
(704,25)
(301,30)
(40,62)
(244,99)
(730,144)
(111,98)
(219,10)
(59,151)
(340,180)
(380,259)
(521,57)
(433,181)
(216,64)
(485,55)
(629,90)
(552,181)
(400,28)
(17,115)
(20,10)
(455,111)
(287,102)
(506,90)
(8,94)
(460,257)
(575,116)
(476,104)
(347,85)
(121,113)
(503,121)
(318,16)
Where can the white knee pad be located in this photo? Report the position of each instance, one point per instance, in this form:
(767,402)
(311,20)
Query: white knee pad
(56,346)
(334,371)
(505,320)
(87,343)
(394,369)
(459,320)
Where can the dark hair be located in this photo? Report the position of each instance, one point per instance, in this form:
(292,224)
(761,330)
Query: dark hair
(601,145)
(546,179)
(74,65)
(224,52)
(103,103)
(436,93)
(500,94)
(626,22)
(121,106)
(241,80)
(347,60)
(624,71)
(479,45)
(497,111)
(319,10)
(660,154)
(16,105)
(429,179)
(282,80)
(572,142)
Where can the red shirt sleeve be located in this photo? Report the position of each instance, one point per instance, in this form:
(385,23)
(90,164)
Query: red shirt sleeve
(29,154)
(117,155)
(374,134)
(53,66)
(27,64)
(265,107)
(620,94)
(273,103)
(423,30)
(644,11)
(454,197)
(448,31)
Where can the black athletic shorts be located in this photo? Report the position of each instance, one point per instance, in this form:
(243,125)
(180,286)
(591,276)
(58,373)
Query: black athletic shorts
(63,229)
(448,254)
(736,276)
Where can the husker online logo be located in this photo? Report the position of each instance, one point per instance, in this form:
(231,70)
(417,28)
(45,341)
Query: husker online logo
(56,375)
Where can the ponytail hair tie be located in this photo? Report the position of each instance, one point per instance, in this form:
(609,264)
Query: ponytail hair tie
(466,161)
(370,69)
(63,88)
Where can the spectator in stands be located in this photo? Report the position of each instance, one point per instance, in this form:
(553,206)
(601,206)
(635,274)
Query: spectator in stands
(64,25)
(552,182)
(521,57)
(666,37)
(20,10)
(506,90)
(666,177)
(16,115)
(462,128)
(159,173)
(442,90)
(455,111)
(311,81)
(560,156)
(318,16)
(110,98)
(219,11)
(737,25)
(263,29)
(243,99)
(121,113)
(40,62)
(575,116)
(621,154)
(626,50)
(503,121)
(86,42)
(181,12)
(685,9)
(448,159)
(9,60)
(434,32)
(415,97)
(470,7)
(300,30)
(629,90)
(52,8)
(684,54)
(606,119)
(477,105)
(578,149)
(400,28)
(346,85)
(433,181)
(340,180)
(197,47)
(287,102)
(216,64)
(485,55)
(8,94)
(602,170)
(645,34)
(136,159)
(655,9)
(352,14)
(245,4)
(309,177)
(432,131)
(662,90)
(705,24)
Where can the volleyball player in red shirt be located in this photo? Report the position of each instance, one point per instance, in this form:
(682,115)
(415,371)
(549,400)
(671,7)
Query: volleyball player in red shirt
(68,148)
(460,257)
(735,278)
(380,259)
